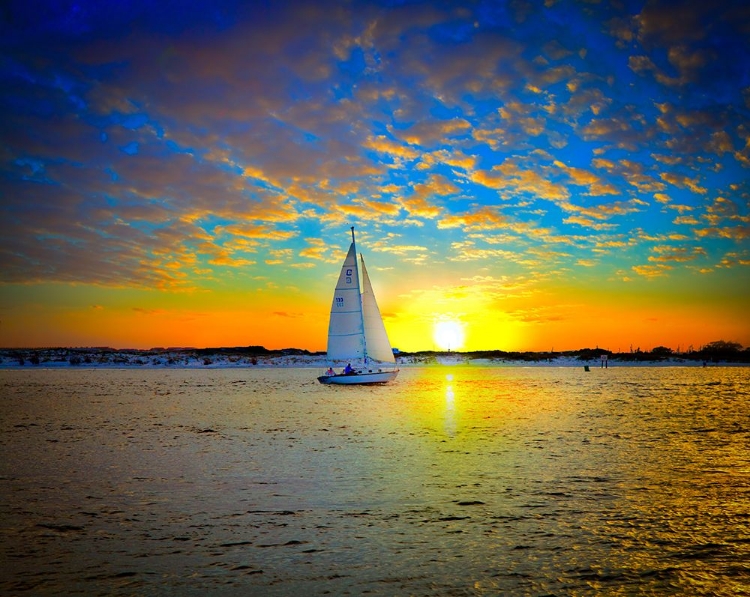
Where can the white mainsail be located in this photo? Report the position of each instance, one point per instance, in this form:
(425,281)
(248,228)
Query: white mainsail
(377,345)
(345,328)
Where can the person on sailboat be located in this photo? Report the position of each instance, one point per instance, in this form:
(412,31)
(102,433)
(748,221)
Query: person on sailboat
(348,369)
(330,371)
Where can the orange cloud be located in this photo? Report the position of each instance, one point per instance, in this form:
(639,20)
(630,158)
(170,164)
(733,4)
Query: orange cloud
(651,271)
(430,132)
(586,178)
(257,231)
(665,253)
(319,250)
(483,218)
(588,223)
(382,144)
(509,177)
(684,182)
(420,207)
(456,159)
(736,233)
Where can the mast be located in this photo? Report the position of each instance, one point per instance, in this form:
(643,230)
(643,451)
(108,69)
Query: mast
(361,306)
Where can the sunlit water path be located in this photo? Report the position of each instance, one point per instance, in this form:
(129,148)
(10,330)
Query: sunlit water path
(451,481)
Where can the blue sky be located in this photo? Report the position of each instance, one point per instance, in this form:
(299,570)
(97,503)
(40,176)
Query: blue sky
(540,174)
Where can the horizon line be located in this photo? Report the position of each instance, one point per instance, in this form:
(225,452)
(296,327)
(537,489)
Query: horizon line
(736,345)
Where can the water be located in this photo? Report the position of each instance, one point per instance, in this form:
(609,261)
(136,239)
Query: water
(451,481)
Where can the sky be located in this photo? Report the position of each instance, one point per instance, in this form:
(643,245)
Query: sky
(546,175)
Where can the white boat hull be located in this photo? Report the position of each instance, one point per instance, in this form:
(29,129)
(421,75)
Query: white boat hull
(359,378)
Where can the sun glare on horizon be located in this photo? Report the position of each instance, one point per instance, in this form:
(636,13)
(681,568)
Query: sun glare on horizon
(449,335)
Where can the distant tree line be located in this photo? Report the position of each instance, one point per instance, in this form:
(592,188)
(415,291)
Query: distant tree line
(155,356)
(713,352)
(718,351)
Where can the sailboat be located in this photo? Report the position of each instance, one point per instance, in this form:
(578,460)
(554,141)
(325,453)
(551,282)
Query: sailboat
(356,333)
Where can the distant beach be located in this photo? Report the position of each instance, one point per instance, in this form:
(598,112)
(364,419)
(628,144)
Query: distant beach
(249,357)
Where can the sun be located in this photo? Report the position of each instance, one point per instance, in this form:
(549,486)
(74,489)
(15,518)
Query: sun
(448,335)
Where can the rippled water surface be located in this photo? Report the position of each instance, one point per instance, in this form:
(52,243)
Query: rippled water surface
(450,481)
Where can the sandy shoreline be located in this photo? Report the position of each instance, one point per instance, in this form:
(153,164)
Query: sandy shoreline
(77,358)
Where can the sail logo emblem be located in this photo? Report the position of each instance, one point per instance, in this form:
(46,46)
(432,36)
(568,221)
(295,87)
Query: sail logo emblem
(348,276)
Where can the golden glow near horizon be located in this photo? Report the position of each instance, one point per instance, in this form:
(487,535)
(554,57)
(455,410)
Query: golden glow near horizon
(515,183)
(449,335)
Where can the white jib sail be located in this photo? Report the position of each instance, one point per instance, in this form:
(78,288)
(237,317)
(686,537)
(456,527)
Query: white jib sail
(376,338)
(345,330)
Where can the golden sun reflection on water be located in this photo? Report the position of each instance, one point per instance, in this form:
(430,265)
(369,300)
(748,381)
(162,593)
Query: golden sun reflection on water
(450,408)
(464,403)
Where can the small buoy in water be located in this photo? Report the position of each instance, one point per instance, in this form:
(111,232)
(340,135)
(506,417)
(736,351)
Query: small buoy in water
(586,368)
